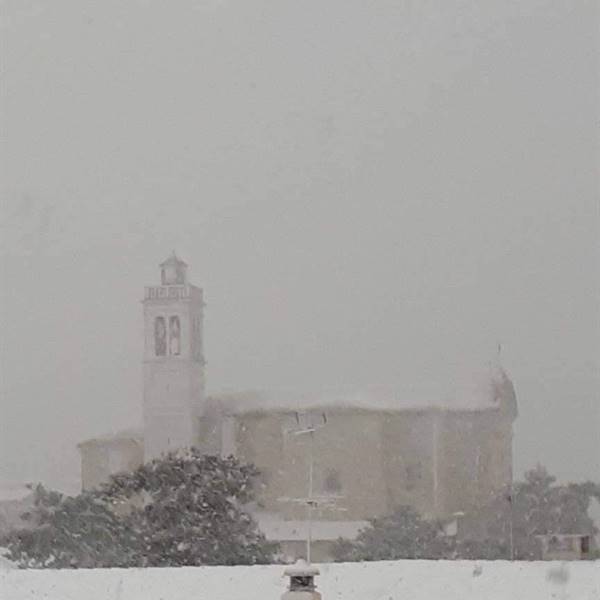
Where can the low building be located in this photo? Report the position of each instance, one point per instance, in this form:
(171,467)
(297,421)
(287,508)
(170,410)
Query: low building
(106,455)
(292,535)
(15,500)
(562,546)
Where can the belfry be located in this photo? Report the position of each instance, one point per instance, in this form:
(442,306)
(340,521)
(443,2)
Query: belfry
(173,360)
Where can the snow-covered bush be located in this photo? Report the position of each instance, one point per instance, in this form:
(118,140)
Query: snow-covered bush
(403,534)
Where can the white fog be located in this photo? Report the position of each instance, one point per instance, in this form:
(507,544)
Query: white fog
(380,201)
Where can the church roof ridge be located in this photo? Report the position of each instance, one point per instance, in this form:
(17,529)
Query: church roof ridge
(459,395)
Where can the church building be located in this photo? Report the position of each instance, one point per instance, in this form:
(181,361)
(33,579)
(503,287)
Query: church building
(444,448)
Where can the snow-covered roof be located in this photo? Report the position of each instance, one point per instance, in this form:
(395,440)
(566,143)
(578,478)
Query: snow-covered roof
(478,391)
(136,435)
(414,579)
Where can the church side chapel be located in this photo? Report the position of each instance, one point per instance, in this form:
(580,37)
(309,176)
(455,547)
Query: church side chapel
(445,449)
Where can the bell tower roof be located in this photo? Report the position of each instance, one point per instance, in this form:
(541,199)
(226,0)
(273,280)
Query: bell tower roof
(173,259)
(173,271)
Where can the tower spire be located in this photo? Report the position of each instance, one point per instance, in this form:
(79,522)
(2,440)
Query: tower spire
(173,270)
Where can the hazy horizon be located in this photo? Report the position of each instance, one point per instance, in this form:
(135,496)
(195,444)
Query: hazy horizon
(368,194)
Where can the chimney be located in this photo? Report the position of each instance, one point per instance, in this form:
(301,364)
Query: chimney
(302,582)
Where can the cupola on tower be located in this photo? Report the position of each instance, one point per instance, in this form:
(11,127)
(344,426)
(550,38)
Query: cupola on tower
(173,360)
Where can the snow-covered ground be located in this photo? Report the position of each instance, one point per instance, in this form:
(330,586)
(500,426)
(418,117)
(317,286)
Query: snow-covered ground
(400,580)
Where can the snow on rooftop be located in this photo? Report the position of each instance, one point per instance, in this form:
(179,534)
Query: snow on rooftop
(125,434)
(474,391)
(395,580)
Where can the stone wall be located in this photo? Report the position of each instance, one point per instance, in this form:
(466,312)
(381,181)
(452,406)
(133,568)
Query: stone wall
(104,457)
(475,459)
(375,461)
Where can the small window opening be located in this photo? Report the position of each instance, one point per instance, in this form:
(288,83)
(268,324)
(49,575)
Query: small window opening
(332,483)
(160,336)
(585,544)
(302,582)
(413,475)
(174,336)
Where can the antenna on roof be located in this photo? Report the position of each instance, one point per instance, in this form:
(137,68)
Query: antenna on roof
(309,423)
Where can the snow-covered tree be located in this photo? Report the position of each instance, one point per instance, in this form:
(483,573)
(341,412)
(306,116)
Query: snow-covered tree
(66,531)
(187,509)
(535,506)
(538,506)
(182,509)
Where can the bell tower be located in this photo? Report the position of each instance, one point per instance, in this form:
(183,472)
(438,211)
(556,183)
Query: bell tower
(173,360)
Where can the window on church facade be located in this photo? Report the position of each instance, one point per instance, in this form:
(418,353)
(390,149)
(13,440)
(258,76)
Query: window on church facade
(174,336)
(196,341)
(331,482)
(480,464)
(413,474)
(160,336)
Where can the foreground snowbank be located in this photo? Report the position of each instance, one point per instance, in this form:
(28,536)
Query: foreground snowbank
(399,580)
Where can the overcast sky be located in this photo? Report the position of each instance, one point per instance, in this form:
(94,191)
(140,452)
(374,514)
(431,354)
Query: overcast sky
(369,193)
